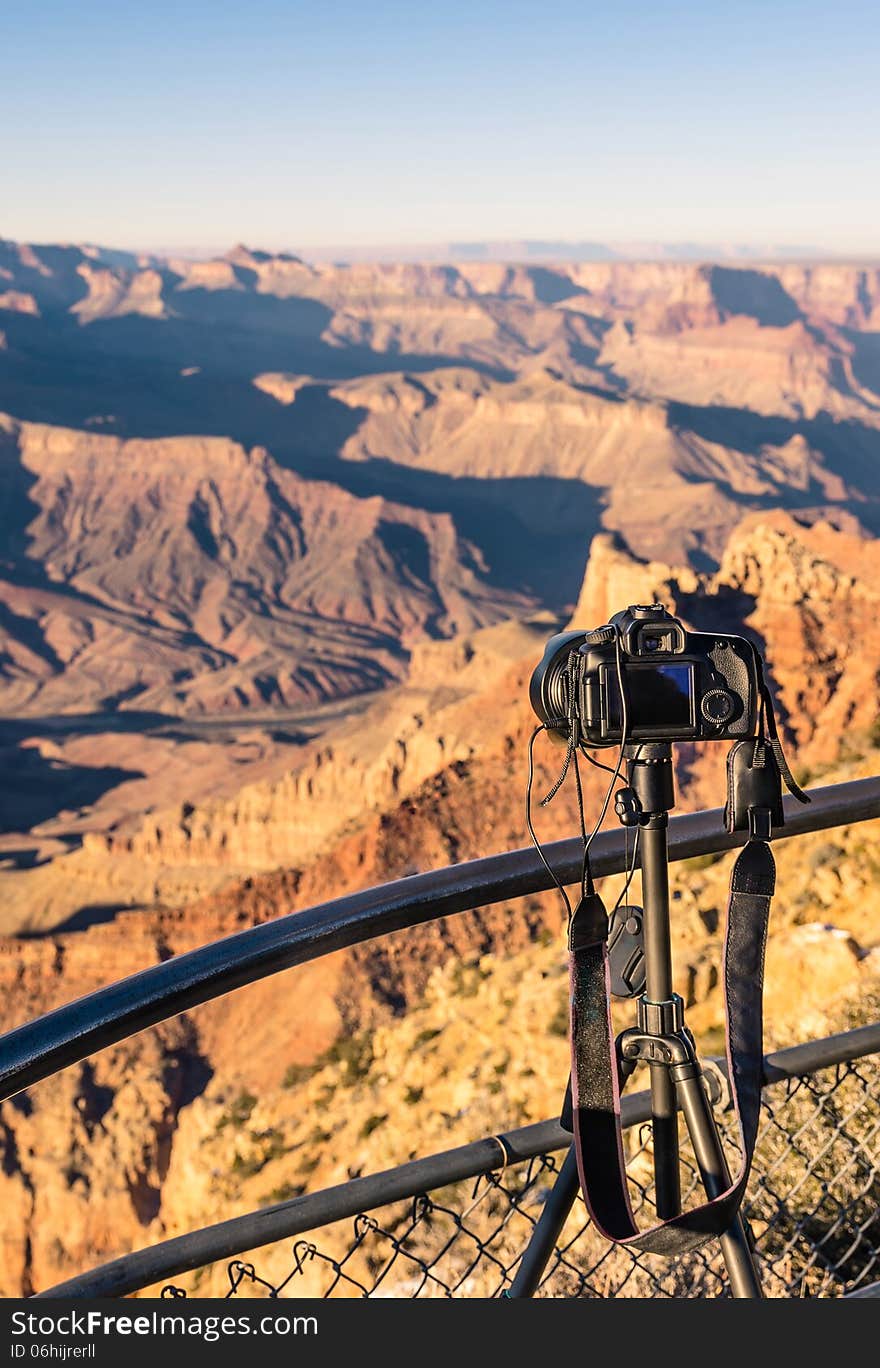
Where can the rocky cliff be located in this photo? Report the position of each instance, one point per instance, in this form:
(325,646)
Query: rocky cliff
(371,1056)
(279,547)
(447,1034)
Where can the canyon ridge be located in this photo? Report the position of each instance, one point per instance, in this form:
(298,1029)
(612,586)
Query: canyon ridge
(280,544)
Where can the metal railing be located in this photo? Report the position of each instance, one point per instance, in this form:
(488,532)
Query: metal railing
(812,1204)
(71,1033)
(91,1023)
(815,1190)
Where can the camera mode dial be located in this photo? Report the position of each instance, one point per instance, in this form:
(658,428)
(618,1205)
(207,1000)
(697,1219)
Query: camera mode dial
(717,706)
(601,636)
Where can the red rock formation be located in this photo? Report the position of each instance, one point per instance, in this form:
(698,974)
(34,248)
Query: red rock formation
(290,485)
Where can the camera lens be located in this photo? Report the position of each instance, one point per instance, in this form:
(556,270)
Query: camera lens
(652,643)
(548,688)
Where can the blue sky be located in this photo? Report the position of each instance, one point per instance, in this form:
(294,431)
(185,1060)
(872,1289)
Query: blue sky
(290,124)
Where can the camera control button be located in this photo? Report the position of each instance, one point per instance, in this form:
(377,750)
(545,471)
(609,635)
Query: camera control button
(717,706)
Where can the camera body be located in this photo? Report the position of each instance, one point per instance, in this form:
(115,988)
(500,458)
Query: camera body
(676,685)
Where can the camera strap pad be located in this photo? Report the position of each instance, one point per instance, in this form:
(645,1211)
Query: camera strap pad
(595,1077)
(756,767)
(754,786)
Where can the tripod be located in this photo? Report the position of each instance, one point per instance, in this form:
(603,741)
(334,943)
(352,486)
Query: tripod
(661,1039)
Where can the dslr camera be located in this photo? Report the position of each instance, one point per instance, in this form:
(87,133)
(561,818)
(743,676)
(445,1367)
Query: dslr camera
(645,672)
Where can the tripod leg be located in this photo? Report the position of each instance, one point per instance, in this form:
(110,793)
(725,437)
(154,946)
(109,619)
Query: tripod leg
(700,1120)
(549,1225)
(664,1130)
(537,1253)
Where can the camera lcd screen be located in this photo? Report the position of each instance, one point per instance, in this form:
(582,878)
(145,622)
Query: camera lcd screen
(658,696)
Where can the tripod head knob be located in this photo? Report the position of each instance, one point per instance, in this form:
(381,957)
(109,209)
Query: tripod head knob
(627,807)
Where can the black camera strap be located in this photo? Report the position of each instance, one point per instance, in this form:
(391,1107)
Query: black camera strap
(768,734)
(754,804)
(598,1136)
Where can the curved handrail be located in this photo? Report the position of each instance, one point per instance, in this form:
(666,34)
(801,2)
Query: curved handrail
(40,1048)
(284,1220)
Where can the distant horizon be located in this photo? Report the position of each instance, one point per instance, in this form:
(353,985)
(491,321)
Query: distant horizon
(524,251)
(537,250)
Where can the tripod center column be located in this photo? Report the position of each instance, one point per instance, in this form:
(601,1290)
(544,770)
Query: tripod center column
(653,781)
(651,778)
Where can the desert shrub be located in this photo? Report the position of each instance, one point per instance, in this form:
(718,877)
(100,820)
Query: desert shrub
(239,1112)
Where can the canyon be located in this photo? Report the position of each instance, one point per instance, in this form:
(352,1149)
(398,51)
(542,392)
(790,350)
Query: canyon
(280,544)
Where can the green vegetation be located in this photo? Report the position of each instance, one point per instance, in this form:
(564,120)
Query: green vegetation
(299,1073)
(239,1112)
(269,1145)
(353,1052)
(373,1123)
(285,1193)
(467,975)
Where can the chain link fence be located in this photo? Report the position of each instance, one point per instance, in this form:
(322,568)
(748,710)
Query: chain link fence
(813,1206)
